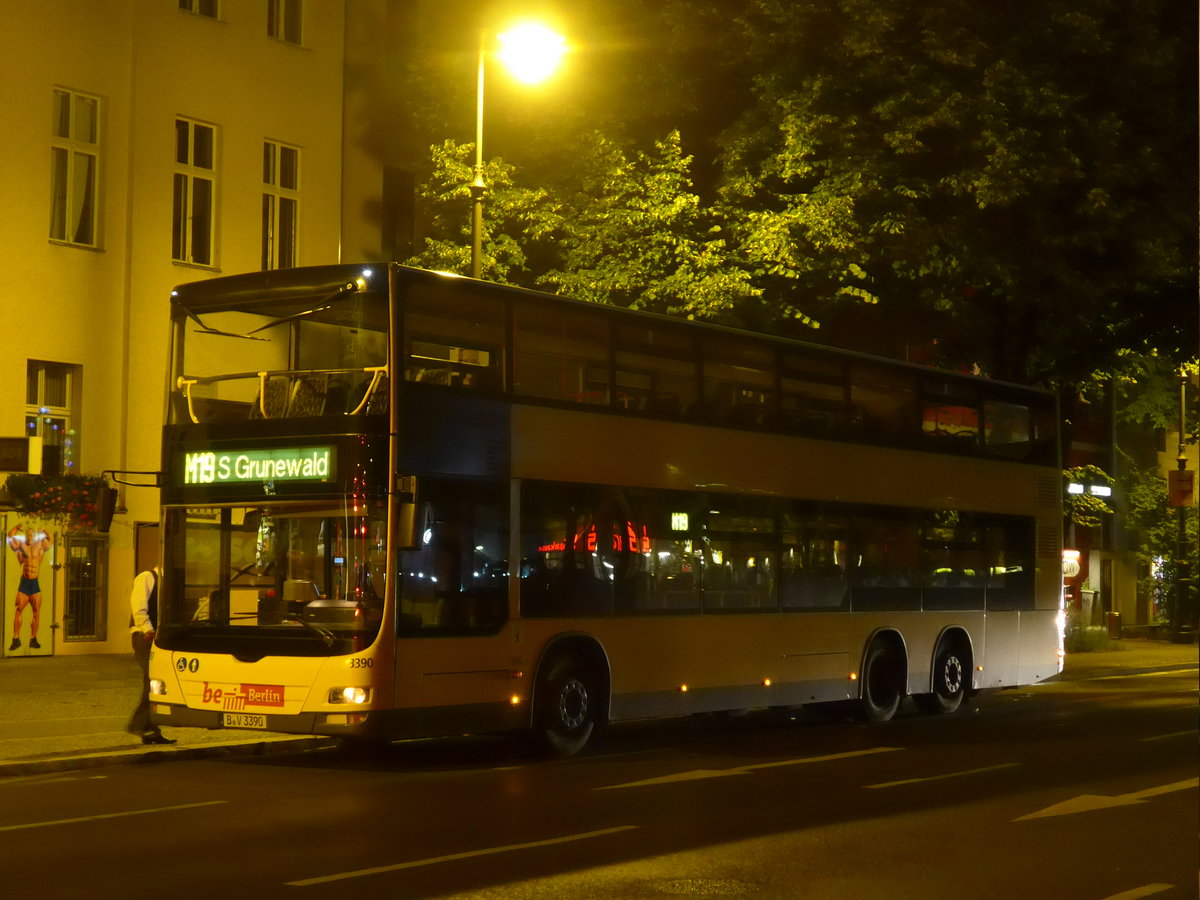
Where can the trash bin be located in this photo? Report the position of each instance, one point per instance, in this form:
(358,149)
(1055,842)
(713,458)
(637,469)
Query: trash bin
(1114,624)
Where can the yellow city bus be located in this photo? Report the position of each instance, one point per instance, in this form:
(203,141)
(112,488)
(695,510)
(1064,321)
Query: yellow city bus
(398,503)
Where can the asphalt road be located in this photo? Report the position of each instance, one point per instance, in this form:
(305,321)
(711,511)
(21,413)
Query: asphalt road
(1083,789)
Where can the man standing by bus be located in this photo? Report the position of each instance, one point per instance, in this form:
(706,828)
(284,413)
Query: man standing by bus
(143,620)
(30,549)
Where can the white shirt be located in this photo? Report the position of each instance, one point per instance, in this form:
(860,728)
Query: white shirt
(139,601)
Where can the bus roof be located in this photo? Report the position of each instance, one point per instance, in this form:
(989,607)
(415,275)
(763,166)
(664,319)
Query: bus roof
(273,291)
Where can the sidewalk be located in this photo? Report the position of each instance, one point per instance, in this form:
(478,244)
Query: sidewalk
(60,713)
(63,713)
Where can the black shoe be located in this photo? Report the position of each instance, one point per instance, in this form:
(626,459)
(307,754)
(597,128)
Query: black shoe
(155,737)
(34,645)
(15,644)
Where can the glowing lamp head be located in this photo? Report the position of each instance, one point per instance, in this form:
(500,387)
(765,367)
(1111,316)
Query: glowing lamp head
(531,51)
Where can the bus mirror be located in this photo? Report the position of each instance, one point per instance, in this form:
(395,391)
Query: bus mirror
(406,526)
(406,516)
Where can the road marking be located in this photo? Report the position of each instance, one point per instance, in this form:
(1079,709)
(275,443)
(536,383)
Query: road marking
(453,857)
(702,774)
(1174,734)
(1089,802)
(1146,890)
(888,784)
(116,815)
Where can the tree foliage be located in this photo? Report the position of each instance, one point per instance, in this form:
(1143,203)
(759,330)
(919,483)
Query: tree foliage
(631,233)
(1006,185)
(1011,178)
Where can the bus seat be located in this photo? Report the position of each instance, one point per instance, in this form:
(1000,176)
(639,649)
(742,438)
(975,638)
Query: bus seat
(272,400)
(308,396)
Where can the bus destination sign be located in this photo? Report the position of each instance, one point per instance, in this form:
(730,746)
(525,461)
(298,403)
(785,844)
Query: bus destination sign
(255,466)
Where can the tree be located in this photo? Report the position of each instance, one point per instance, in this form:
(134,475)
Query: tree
(1157,547)
(1004,185)
(516,220)
(1015,181)
(631,232)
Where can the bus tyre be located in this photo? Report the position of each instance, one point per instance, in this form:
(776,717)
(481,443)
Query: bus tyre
(949,682)
(565,713)
(882,687)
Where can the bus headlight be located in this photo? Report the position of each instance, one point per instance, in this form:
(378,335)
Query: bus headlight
(355,695)
(158,687)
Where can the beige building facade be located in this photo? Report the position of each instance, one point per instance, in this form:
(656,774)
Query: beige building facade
(145,143)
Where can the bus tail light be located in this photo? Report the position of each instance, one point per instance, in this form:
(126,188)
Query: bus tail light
(354,695)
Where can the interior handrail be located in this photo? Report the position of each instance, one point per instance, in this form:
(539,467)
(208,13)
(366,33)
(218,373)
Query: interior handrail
(185,383)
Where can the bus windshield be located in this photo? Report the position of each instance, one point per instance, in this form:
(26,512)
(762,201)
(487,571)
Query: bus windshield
(286,579)
(319,348)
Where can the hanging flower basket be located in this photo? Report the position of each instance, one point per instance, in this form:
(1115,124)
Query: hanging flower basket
(66,500)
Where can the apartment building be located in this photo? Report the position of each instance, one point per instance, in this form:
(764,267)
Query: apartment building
(145,143)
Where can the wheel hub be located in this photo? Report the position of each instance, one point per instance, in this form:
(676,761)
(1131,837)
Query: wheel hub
(952,675)
(572,704)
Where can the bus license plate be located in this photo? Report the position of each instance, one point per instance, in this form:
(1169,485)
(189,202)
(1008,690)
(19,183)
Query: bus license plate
(244,720)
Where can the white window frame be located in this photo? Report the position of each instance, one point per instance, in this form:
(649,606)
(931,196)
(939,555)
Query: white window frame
(285,21)
(194,223)
(39,414)
(73,204)
(280,249)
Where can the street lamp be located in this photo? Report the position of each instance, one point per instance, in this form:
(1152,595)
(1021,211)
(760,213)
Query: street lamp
(531,52)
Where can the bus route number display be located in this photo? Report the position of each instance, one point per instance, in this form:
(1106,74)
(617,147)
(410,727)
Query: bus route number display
(255,466)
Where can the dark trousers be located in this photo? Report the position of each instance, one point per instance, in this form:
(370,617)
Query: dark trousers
(139,722)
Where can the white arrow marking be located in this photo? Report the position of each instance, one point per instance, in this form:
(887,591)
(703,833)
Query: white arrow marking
(702,774)
(1089,802)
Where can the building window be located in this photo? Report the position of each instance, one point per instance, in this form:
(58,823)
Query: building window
(195,193)
(280,205)
(86,615)
(206,8)
(283,20)
(49,401)
(74,167)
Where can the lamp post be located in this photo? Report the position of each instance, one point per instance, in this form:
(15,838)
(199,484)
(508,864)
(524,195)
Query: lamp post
(531,52)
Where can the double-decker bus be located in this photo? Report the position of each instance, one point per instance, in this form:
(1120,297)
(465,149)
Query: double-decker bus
(398,503)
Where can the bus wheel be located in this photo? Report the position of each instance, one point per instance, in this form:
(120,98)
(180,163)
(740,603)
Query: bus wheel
(565,715)
(949,682)
(882,685)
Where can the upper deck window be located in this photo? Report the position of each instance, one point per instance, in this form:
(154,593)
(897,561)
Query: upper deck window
(656,370)
(560,354)
(739,382)
(453,338)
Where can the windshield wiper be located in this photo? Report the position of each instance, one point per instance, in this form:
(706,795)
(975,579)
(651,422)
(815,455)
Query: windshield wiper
(350,287)
(207,329)
(326,635)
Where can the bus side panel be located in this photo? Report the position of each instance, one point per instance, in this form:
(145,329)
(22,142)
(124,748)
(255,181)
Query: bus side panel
(1041,646)
(1002,644)
(672,666)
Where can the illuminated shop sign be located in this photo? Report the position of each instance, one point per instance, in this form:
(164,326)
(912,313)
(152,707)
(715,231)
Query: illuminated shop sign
(251,466)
